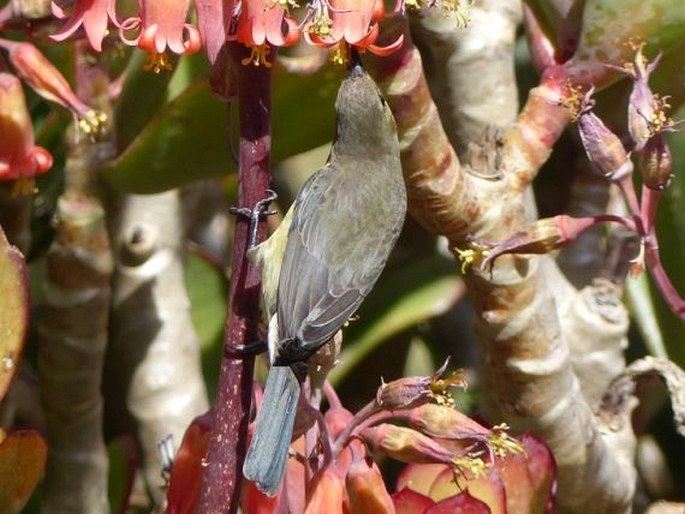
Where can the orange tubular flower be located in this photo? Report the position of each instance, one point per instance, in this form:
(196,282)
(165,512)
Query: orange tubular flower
(260,24)
(20,159)
(353,22)
(46,80)
(162,25)
(94,15)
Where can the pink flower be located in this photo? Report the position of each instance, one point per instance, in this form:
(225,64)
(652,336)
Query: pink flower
(260,24)
(162,25)
(20,158)
(354,22)
(46,80)
(94,15)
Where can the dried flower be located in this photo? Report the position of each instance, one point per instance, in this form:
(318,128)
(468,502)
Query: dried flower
(647,112)
(602,147)
(655,163)
(410,392)
(406,444)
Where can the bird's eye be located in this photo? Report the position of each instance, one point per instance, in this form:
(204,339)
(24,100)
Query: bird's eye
(383,102)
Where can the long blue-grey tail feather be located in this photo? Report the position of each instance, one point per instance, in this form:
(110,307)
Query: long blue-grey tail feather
(268,452)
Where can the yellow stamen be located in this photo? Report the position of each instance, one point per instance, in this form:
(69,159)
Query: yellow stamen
(24,186)
(341,54)
(502,444)
(470,257)
(93,123)
(574,100)
(472,463)
(456,9)
(157,63)
(259,56)
(285,4)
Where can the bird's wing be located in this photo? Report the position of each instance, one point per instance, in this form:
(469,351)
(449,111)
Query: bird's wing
(332,257)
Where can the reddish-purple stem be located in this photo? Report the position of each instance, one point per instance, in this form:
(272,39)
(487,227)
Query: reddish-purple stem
(656,269)
(222,476)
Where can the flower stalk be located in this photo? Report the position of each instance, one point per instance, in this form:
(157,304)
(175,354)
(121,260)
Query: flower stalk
(223,471)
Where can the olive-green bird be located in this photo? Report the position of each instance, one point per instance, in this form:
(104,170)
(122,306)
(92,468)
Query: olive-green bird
(324,259)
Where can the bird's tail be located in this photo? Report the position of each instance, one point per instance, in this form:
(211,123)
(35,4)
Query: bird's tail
(268,452)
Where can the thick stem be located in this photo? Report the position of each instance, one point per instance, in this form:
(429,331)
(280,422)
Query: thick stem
(74,322)
(223,470)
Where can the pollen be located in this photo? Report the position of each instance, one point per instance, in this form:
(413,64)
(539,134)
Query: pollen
(23,186)
(575,101)
(92,123)
(157,63)
(341,54)
(259,56)
(286,5)
(502,444)
(458,10)
(470,257)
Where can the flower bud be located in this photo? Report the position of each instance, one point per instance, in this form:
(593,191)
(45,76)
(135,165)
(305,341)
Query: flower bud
(406,444)
(655,163)
(46,80)
(446,423)
(366,490)
(647,112)
(603,148)
(543,236)
(20,159)
(410,392)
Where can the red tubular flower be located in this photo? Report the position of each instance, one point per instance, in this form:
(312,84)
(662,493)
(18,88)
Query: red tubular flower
(20,159)
(353,22)
(46,80)
(260,23)
(94,15)
(162,25)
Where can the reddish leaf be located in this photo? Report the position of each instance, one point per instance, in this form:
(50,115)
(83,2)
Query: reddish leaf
(407,501)
(186,473)
(463,503)
(22,461)
(328,493)
(419,477)
(366,492)
(14,310)
(489,490)
(542,470)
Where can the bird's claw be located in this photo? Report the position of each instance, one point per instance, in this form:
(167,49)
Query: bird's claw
(243,350)
(255,215)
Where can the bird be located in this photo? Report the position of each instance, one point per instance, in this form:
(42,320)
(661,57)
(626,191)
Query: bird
(324,259)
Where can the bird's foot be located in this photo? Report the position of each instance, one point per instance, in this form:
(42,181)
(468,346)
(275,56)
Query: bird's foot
(255,215)
(247,349)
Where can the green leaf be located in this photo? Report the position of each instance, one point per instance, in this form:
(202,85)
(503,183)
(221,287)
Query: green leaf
(208,291)
(187,139)
(407,297)
(22,461)
(14,310)
(122,458)
(609,26)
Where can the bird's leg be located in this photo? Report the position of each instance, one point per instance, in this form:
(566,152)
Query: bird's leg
(255,215)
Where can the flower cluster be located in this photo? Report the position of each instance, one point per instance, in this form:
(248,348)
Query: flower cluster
(452,459)
(163,26)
